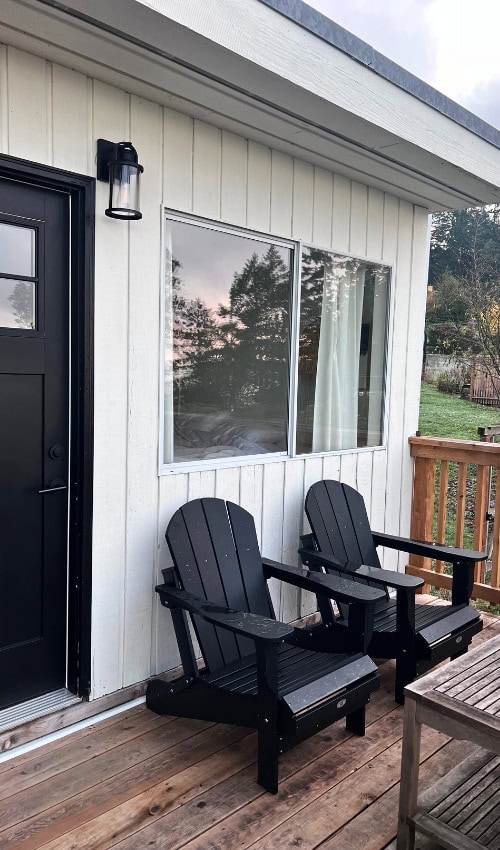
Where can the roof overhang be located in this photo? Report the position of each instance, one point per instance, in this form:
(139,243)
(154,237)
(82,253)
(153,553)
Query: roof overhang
(243,66)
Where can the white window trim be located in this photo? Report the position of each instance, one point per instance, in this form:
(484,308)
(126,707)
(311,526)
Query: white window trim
(296,246)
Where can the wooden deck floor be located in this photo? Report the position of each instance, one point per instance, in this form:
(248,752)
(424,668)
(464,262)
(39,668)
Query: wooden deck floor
(140,781)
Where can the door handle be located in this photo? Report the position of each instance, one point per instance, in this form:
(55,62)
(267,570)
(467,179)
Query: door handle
(56,485)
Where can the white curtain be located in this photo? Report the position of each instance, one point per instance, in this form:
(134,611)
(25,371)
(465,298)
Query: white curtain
(335,423)
(168,382)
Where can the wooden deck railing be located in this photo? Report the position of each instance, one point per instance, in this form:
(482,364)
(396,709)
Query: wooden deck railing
(443,467)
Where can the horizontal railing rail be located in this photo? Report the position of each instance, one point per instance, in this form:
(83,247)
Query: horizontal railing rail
(452,487)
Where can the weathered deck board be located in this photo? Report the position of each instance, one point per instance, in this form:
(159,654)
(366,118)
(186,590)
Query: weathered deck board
(140,781)
(125,731)
(61,742)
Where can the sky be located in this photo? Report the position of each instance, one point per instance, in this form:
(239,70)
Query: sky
(210,258)
(451,44)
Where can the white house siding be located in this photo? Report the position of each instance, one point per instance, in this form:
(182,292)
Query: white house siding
(53,115)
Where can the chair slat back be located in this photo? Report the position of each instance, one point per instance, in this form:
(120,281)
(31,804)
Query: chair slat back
(216,556)
(339,523)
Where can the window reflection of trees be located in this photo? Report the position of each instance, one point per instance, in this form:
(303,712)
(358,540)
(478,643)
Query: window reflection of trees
(21,300)
(234,358)
(330,292)
(318,268)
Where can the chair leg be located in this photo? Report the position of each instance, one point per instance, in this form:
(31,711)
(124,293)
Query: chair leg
(406,672)
(268,752)
(355,721)
(458,654)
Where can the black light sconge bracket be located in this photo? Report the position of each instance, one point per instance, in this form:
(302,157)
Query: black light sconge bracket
(106,152)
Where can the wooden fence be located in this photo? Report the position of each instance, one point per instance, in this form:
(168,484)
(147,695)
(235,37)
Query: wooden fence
(484,384)
(444,467)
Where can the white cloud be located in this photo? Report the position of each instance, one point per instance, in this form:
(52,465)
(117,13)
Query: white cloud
(396,28)
(465,39)
(451,44)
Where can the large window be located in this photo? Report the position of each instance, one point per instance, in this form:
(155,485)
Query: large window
(238,381)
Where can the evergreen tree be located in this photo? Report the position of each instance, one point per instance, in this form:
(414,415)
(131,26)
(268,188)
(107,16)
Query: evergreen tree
(236,357)
(195,341)
(256,329)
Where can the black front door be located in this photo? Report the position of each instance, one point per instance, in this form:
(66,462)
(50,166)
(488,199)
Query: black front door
(34,434)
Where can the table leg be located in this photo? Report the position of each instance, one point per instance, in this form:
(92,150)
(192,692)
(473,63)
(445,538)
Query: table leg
(410,759)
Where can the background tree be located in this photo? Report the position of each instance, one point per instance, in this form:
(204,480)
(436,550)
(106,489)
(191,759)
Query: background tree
(464,241)
(448,314)
(463,312)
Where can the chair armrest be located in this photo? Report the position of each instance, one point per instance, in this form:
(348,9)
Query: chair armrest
(382,577)
(400,581)
(450,554)
(252,626)
(340,589)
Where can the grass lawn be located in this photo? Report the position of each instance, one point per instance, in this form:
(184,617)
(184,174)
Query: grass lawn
(443,415)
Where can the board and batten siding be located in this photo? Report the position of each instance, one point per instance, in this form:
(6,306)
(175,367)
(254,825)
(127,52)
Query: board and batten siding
(53,115)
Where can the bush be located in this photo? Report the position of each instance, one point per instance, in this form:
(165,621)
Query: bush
(450,383)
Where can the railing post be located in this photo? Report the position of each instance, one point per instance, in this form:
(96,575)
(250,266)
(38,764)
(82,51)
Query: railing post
(480,508)
(460,511)
(444,468)
(495,566)
(424,484)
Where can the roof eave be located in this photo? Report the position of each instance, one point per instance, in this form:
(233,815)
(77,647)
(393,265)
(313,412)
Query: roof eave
(332,111)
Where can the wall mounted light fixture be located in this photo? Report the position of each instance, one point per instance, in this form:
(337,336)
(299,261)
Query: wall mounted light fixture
(117,163)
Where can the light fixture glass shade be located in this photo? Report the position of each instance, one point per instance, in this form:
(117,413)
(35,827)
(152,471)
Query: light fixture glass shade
(118,164)
(124,190)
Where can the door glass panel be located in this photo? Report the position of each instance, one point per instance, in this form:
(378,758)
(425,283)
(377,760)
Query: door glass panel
(17,250)
(17,304)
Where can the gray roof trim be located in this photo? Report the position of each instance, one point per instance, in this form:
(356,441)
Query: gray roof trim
(321,26)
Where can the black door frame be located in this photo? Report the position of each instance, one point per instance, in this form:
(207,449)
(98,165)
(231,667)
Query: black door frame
(81,190)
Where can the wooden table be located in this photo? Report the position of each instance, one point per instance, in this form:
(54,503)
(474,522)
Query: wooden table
(461,699)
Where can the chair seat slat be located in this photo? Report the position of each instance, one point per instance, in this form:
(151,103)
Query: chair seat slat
(295,676)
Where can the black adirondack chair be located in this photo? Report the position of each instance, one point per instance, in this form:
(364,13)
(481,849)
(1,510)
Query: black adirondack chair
(418,636)
(258,673)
